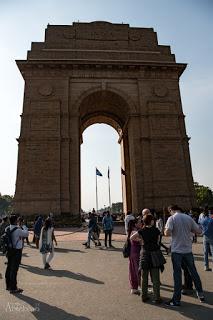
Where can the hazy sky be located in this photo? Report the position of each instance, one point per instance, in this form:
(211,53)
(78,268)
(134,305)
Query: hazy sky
(185,25)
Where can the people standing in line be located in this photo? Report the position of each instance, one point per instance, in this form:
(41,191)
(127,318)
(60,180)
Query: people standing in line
(207,226)
(46,245)
(14,254)
(180,226)
(159,225)
(129,216)
(37,230)
(150,239)
(107,224)
(134,258)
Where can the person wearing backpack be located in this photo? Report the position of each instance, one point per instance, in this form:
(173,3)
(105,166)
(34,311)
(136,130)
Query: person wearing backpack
(14,237)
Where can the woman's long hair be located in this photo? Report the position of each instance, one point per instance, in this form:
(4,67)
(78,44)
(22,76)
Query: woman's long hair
(47,224)
(131,226)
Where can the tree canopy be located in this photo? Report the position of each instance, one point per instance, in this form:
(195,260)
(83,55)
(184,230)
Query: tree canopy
(5,204)
(204,195)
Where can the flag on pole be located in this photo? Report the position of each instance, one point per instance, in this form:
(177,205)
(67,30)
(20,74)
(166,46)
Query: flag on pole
(108,173)
(98,173)
(123,171)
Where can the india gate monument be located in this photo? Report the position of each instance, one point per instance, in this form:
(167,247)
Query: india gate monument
(101,72)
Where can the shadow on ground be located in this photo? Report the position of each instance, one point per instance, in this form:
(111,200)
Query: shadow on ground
(61,273)
(44,311)
(64,250)
(190,310)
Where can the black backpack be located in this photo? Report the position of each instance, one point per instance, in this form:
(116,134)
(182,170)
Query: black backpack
(6,240)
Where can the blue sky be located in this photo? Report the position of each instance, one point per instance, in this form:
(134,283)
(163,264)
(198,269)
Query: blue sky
(185,25)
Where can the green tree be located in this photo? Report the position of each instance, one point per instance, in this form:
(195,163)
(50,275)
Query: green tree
(6,204)
(117,207)
(204,195)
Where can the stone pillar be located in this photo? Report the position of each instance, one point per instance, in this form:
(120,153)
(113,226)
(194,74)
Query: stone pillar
(74,156)
(136,168)
(126,178)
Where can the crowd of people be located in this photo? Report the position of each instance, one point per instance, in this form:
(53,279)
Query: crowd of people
(13,234)
(144,233)
(94,229)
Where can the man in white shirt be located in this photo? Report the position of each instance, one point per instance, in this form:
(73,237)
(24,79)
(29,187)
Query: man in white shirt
(14,254)
(180,226)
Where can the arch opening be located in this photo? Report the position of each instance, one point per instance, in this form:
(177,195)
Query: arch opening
(106,108)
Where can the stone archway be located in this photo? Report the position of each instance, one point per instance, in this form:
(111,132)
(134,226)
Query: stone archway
(101,72)
(102,106)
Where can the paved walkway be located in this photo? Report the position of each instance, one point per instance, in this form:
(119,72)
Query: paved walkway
(92,284)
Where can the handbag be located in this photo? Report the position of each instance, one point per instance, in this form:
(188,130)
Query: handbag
(126,248)
(157,258)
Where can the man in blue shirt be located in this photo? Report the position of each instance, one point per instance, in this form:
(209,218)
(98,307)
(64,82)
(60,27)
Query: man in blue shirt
(207,226)
(107,223)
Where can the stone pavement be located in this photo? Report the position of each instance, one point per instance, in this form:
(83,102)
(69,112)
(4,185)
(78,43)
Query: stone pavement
(92,284)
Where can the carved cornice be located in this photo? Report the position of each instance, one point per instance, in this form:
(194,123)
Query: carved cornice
(48,115)
(43,139)
(146,69)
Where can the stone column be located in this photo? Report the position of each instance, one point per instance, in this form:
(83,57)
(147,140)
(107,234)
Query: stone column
(126,178)
(74,158)
(136,168)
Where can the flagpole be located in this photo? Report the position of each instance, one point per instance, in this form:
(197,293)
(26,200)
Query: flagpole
(96,192)
(109,188)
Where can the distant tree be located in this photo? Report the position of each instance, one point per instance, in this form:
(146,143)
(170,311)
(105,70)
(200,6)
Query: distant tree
(117,207)
(6,204)
(204,195)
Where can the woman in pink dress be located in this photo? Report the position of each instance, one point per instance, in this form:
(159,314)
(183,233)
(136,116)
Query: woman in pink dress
(134,273)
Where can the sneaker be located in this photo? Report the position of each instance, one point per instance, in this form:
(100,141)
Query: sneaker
(207,269)
(47,266)
(201,297)
(172,303)
(84,244)
(18,290)
(135,291)
(87,247)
